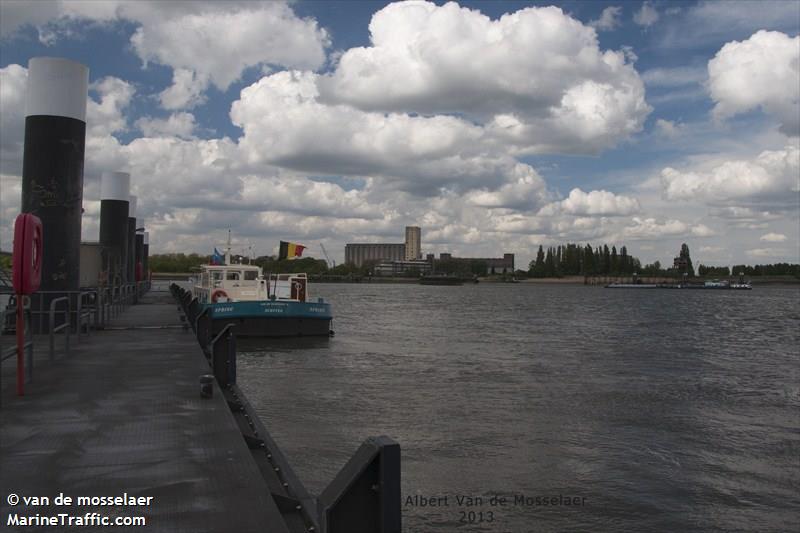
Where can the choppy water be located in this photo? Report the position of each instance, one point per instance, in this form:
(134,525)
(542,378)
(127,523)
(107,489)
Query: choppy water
(665,410)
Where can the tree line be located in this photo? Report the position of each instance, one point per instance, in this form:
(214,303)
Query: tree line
(576,260)
(556,261)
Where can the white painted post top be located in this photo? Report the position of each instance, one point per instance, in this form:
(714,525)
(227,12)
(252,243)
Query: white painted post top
(57,87)
(115,186)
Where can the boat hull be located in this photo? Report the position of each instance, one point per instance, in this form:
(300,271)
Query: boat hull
(272,318)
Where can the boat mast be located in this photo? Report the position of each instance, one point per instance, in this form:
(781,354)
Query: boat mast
(228,250)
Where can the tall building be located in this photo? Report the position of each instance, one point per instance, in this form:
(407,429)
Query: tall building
(413,243)
(358,254)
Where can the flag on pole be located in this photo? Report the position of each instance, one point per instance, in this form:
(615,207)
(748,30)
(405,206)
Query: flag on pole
(290,250)
(217,258)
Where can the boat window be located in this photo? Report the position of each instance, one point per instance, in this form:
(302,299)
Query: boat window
(250,275)
(232,276)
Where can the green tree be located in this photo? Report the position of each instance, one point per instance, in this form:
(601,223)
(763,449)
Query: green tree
(536,267)
(685,255)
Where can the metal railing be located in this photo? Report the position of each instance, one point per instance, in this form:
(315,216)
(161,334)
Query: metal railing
(65,326)
(11,351)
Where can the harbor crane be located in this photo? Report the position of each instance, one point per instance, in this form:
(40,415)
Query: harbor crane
(332,264)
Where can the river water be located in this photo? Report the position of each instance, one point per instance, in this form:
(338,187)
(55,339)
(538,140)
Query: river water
(648,410)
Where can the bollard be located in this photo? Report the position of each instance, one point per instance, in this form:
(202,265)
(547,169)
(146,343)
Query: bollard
(206,386)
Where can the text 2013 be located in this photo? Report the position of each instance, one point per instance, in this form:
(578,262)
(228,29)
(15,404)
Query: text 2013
(476,517)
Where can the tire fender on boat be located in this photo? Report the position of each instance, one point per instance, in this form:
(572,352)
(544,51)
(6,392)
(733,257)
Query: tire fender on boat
(217,294)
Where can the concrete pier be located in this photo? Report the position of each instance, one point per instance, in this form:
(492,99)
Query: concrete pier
(122,413)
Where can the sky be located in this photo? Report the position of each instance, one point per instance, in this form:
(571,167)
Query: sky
(496,127)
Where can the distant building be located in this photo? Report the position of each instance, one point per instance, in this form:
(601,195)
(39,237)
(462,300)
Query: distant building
(494,265)
(358,254)
(413,243)
(400,268)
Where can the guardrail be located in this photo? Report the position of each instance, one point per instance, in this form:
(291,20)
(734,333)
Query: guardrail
(65,326)
(364,497)
(11,351)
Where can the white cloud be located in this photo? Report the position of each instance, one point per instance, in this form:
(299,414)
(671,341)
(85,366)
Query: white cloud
(609,19)
(766,252)
(563,94)
(773,237)
(674,76)
(711,249)
(652,228)
(701,230)
(13,80)
(760,72)
(218,44)
(713,21)
(772,176)
(187,90)
(527,192)
(646,16)
(594,203)
(285,124)
(668,128)
(180,124)
(204,42)
(107,115)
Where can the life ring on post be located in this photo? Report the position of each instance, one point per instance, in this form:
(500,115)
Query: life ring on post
(217,294)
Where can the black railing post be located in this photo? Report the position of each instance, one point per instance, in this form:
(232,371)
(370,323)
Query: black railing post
(223,356)
(364,497)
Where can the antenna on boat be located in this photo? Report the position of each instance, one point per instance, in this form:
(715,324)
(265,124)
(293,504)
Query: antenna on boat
(228,249)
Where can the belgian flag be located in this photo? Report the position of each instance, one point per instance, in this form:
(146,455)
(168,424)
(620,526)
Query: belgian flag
(290,250)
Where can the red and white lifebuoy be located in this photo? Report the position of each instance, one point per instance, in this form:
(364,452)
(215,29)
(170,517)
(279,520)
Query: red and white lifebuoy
(217,294)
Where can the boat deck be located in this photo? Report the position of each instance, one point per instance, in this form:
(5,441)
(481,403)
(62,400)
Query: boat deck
(122,413)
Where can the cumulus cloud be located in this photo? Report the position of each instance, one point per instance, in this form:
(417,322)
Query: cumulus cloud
(216,45)
(106,116)
(205,43)
(180,124)
(13,80)
(594,203)
(674,76)
(765,252)
(609,19)
(770,177)
(668,128)
(646,16)
(285,124)
(527,192)
(773,237)
(701,230)
(563,94)
(652,228)
(760,72)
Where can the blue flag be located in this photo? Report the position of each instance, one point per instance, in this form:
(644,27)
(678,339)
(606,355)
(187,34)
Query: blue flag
(217,258)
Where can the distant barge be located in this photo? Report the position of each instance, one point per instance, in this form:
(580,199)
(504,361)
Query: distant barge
(715,285)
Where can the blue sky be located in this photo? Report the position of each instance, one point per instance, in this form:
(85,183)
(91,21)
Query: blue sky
(495,126)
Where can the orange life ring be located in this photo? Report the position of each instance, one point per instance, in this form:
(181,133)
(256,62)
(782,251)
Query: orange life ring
(217,294)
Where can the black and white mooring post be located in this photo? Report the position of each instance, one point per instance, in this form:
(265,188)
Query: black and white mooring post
(139,249)
(115,188)
(52,167)
(131,259)
(146,255)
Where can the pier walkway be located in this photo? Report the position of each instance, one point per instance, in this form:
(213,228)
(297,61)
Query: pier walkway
(122,414)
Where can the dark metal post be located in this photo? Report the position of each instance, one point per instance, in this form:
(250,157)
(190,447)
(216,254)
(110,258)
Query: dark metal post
(364,497)
(130,264)
(52,166)
(114,204)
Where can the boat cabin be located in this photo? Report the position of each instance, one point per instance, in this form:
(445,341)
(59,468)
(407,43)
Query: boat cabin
(235,283)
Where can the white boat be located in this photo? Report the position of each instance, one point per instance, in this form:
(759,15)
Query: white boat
(277,305)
